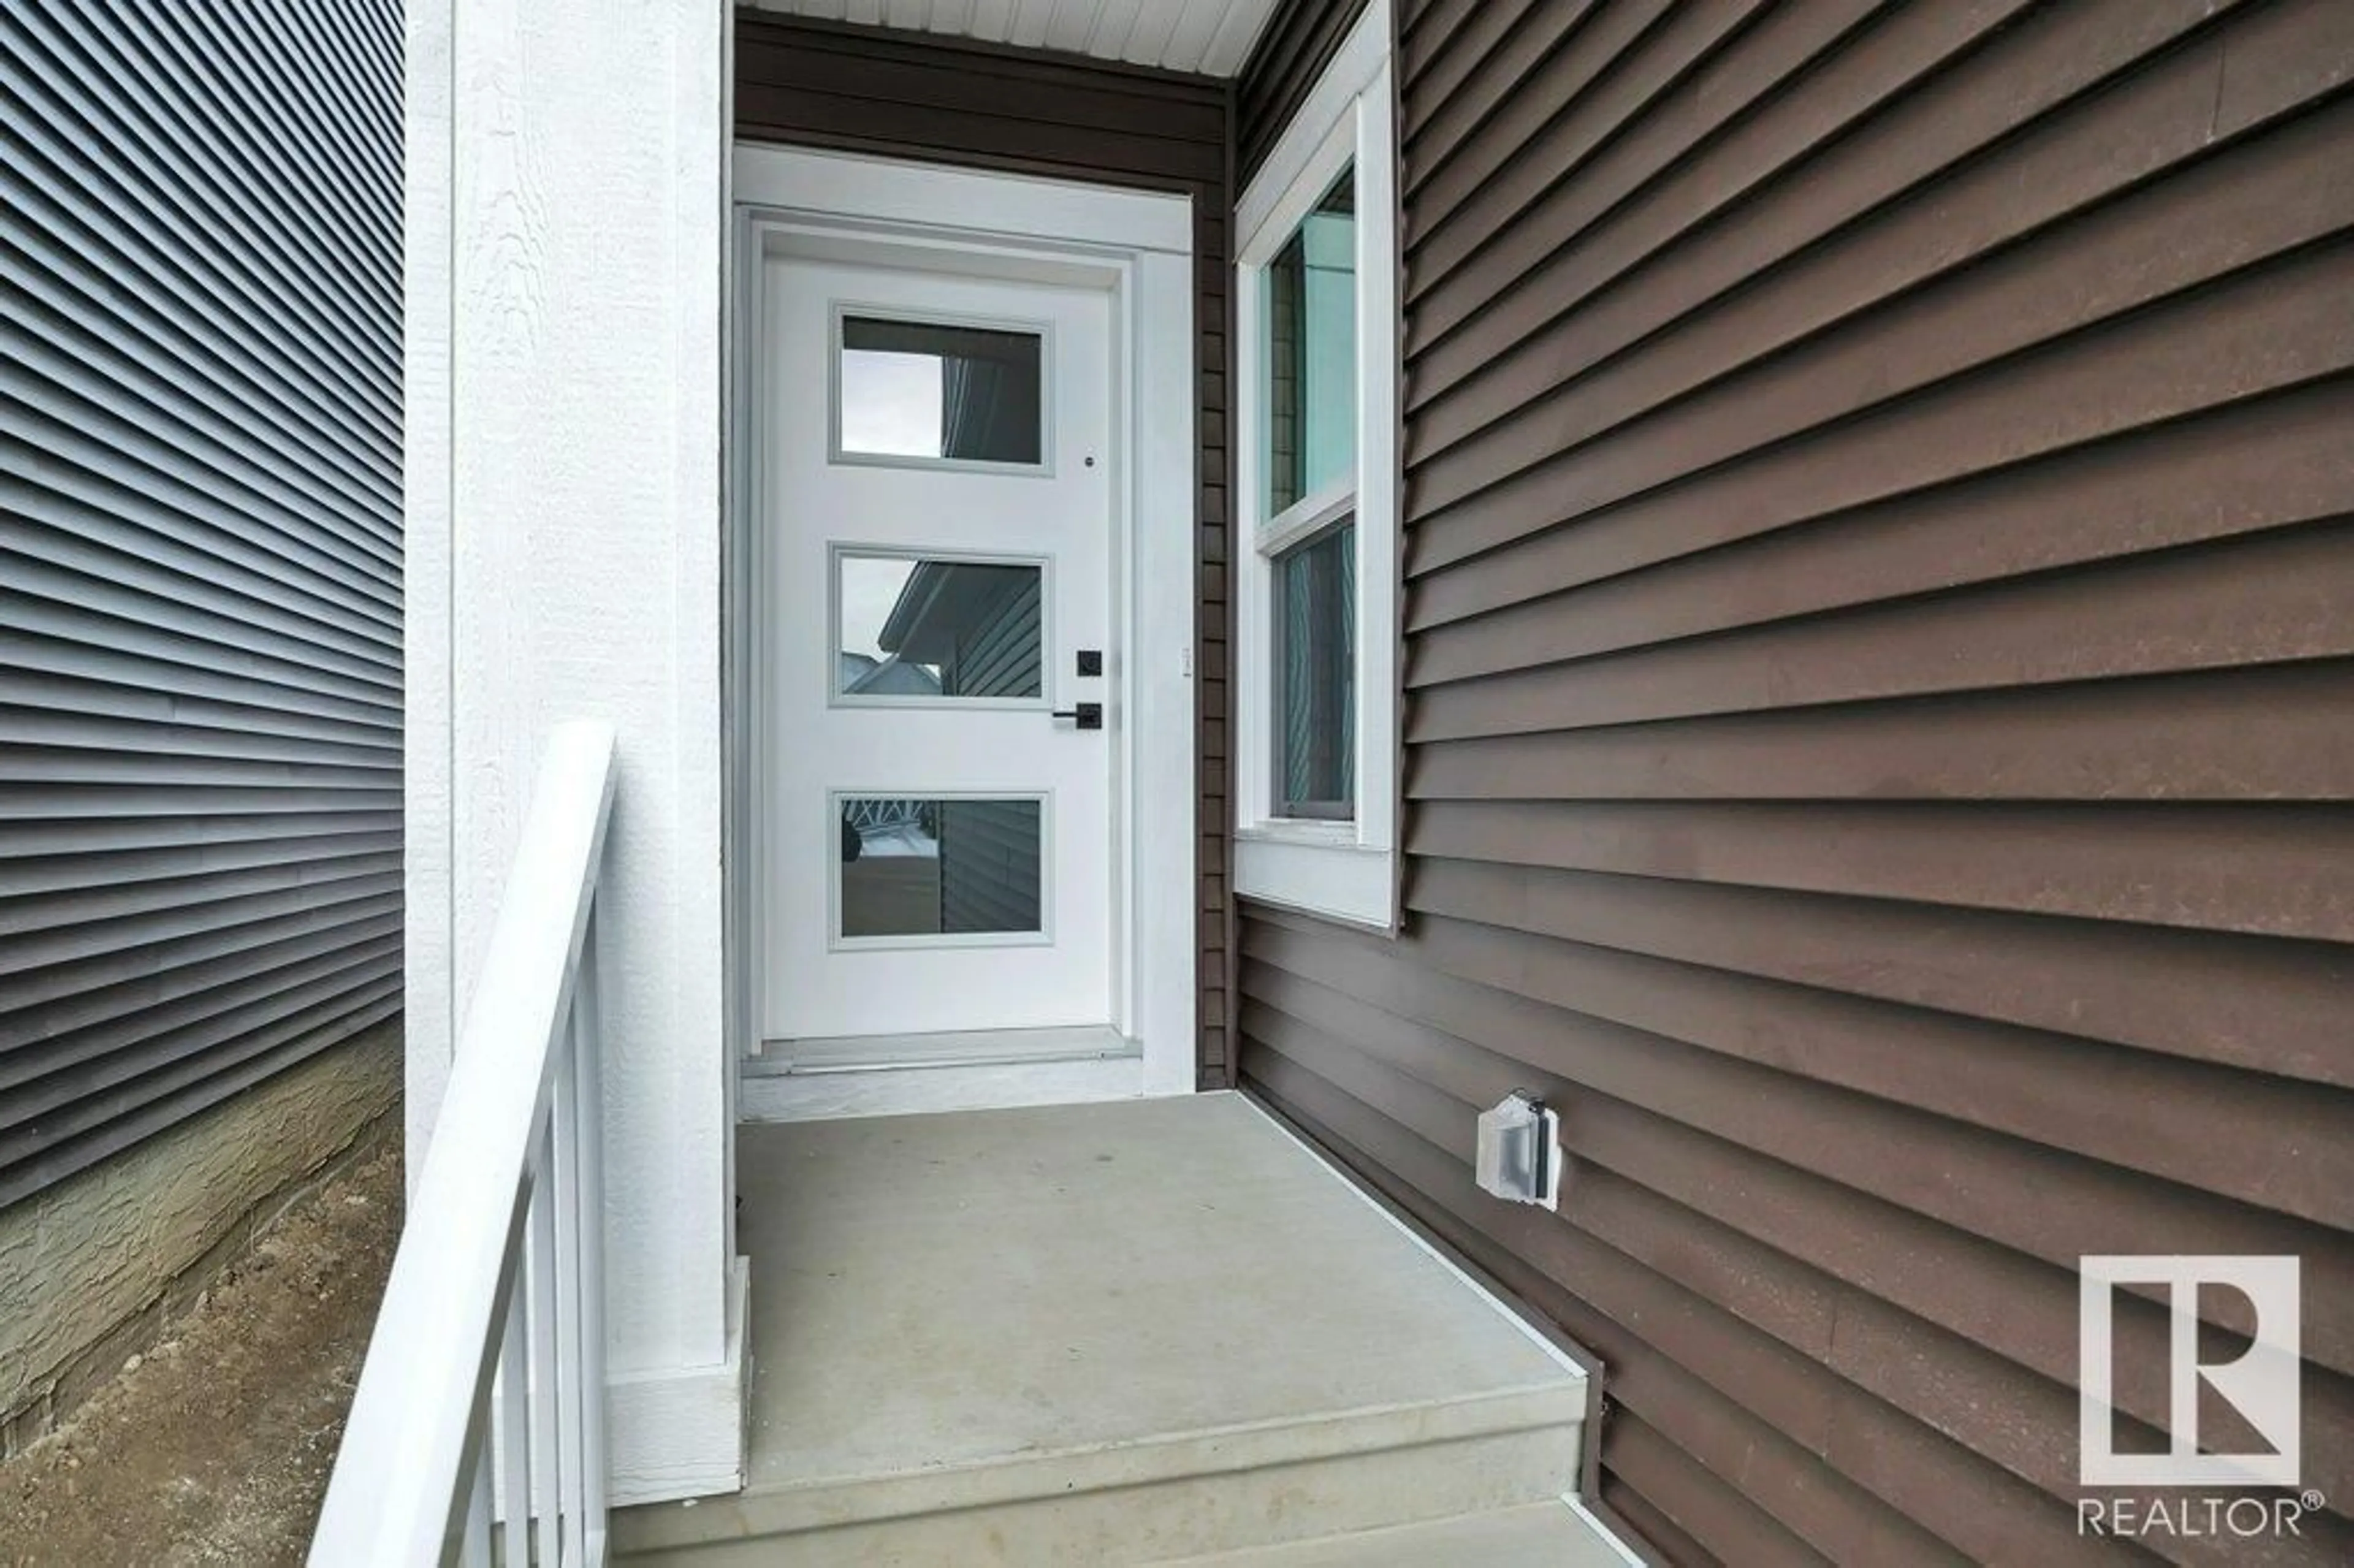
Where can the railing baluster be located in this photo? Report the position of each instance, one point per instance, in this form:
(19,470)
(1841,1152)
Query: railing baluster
(474,1545)
(563,1113)
(588,1174)
(515,1430)
(545,1369)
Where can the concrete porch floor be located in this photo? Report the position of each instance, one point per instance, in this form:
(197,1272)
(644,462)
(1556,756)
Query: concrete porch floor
(1131,1333)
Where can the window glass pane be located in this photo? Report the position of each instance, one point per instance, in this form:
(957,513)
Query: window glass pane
(1316,655)
(937,868)
(1308,440)
(916,628)
(925,389)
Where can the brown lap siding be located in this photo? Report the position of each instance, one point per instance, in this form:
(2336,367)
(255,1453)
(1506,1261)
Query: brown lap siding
(1880,543)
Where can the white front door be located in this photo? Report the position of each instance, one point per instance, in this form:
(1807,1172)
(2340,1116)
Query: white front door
(939,552)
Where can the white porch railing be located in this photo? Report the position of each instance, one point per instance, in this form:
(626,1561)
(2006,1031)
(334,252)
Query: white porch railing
(498,1286)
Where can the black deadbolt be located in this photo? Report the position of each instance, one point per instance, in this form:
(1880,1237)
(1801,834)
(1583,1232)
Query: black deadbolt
(1090,661)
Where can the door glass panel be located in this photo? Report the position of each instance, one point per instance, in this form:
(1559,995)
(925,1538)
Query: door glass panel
(931,391)
(914,628)
(940,868)
(1316,645)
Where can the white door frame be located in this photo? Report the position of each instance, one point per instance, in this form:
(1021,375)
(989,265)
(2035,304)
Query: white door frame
(1138,246)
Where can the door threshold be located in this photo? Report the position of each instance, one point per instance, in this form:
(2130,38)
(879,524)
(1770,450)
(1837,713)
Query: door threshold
(941,1087)
(901,1053)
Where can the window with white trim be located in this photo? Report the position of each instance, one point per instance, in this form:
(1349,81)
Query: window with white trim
(1316,591)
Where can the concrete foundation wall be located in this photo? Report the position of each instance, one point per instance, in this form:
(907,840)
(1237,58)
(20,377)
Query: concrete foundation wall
(92,1268)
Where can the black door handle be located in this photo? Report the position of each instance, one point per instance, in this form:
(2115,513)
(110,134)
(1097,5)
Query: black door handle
(1087,716)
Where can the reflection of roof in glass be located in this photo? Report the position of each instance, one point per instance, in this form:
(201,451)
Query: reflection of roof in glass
(943,601)
(859,675)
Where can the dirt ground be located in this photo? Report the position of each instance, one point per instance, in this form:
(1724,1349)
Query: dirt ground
(215,1447)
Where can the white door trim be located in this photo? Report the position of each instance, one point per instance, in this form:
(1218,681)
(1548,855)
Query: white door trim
(1138,246)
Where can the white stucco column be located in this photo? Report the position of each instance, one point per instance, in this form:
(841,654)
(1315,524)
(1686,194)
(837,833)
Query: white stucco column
(566,200)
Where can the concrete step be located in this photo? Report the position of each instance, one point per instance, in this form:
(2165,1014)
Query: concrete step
(1180,1502)
(1102,1336)
(1535,1535)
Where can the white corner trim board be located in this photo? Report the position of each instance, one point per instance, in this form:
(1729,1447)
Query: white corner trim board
(562,294)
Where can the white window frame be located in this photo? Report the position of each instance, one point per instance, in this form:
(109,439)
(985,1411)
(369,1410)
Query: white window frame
(1343,869)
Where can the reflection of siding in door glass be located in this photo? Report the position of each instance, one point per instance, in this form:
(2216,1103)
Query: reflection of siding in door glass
(990,865)
(929,867)
(997,655)
(929,629)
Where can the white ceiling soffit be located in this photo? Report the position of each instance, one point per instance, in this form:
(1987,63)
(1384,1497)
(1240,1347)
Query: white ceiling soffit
(1213,36)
